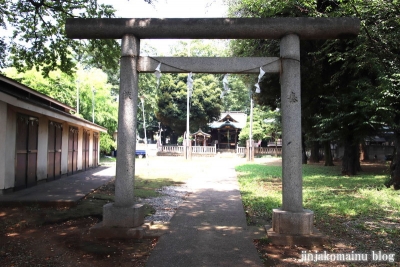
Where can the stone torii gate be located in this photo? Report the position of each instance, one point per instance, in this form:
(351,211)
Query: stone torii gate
(291,223)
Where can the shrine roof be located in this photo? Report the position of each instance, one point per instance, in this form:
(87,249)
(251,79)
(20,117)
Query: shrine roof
(234,119)
(200,132)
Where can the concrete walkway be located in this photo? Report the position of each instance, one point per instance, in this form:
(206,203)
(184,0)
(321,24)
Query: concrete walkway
(65,191)
(210,228)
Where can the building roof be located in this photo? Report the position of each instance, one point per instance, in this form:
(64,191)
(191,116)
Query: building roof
(375,139)
(235,119)
(26,94)
(201,133)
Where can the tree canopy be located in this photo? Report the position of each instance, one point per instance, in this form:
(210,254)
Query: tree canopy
(266,126)
(36,36)
(349,87)
(205,104)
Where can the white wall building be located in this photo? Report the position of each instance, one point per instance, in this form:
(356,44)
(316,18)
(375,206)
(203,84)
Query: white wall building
(40,140)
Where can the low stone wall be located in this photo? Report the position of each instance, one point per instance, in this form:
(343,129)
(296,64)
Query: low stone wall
(173,154)
(177,154)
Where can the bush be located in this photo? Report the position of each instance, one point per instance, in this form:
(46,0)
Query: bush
(107,144)
(180,140)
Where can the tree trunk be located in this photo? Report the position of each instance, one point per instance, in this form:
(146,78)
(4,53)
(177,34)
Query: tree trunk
(151,135)
(303,150)
(351,157)
(174,138)
(328,154)
(314,157)
(395,164)
(364,151)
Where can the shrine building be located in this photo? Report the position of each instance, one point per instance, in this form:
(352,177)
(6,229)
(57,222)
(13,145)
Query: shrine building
(225,131)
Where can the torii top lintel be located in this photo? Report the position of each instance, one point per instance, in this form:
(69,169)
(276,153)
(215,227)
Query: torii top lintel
(212,28)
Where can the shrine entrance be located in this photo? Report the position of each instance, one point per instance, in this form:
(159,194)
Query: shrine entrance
(291,224)
(225,131)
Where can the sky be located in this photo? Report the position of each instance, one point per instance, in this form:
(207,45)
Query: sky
(168,9)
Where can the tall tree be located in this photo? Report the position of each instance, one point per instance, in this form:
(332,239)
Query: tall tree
(205,104)
(270,86)
(38,38)
(358,70)
(266,126)
(148,91)
(346,84)
(237,97)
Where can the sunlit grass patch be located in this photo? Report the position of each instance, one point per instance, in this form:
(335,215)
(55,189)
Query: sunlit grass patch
(326,192)
(107,159)
(260,188)
(146,187)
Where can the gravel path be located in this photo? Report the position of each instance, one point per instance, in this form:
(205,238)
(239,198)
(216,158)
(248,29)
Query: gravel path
(167,204)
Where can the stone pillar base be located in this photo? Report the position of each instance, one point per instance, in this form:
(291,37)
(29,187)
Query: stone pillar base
(121,222)
(125,217)
(294,228)
(292,223)
(314,239)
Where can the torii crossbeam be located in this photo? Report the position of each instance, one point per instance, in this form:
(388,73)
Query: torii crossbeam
(291,224)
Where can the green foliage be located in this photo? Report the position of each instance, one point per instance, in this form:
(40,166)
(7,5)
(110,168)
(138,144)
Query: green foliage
(38,36)
(172,101)
(107,143)
(148,90)
(237,99)
(200,48)
(39,39)
(180,140)
(266,126)
(57,85)
(205,104)
(349,86)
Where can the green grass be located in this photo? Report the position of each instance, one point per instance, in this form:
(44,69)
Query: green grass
(145,188)
(260,188)
(107,160)
(330,195)
(150,175)
(93,204)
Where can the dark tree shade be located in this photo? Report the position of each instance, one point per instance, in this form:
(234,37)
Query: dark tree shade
(350,88)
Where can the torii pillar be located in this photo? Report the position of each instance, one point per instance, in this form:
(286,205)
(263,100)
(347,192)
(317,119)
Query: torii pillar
(291,224)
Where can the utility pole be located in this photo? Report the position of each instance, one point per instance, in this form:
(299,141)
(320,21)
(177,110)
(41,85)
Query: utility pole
(77,96)
(93,103)
(251,127)
(144,125)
